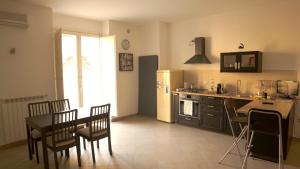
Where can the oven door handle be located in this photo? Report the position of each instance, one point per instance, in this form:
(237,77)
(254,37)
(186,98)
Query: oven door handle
(189,119)
(195,101)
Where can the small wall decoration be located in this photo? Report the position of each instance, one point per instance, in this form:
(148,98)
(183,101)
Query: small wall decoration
(125,61)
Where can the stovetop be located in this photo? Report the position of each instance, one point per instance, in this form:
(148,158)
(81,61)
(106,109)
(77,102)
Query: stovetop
(192,90)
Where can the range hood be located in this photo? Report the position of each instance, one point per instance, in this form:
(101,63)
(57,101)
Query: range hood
(199,57)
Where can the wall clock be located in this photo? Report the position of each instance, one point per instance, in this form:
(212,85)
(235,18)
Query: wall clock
(125,44)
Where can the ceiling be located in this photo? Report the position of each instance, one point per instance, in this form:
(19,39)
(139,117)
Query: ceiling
(139,11)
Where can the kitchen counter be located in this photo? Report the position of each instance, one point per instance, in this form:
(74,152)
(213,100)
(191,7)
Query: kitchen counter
(226,95)
(265,150)
(282,106)
(212,117)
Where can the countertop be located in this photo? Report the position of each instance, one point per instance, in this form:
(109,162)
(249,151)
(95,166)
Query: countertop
(226,95)
(282,106)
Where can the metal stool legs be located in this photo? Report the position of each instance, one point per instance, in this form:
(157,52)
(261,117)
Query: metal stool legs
(249,146)
(235,145)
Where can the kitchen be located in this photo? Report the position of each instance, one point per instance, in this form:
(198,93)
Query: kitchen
(202,105)
(194,136)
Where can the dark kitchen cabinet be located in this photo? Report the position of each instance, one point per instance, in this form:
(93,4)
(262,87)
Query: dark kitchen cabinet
(190,121)
(211,113)
(250,61)
(175,106)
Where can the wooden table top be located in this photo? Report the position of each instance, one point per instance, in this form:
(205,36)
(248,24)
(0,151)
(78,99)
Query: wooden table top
(282,106)
(44,123)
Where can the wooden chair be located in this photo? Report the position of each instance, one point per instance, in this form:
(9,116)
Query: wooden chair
(98,128)
(37,109)
(62,138)
(60,105)
(63,105)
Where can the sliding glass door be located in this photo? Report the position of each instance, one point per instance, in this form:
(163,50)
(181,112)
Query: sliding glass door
(91,64)
(88,70)
(70,68)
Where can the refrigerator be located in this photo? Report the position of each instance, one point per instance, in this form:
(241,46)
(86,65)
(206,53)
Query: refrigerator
(167,81)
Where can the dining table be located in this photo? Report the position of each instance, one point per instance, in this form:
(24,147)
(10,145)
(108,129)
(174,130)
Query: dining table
(44,125)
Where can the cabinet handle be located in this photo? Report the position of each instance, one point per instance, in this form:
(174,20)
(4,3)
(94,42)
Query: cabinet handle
(211,115)
(210,106)
(210,97)
(235,65)
(239,65)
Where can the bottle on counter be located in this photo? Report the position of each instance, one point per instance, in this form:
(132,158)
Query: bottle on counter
(238,87)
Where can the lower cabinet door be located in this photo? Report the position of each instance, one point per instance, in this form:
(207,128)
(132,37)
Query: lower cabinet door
(188,121)
(212,121)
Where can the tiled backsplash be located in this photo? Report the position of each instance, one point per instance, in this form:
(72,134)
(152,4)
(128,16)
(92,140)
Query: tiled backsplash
(250,81)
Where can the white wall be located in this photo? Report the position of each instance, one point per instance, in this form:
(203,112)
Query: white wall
(164,58)
(127,81)
(272,29)
(155,41)
(31,70)
(149,35)
(70,23)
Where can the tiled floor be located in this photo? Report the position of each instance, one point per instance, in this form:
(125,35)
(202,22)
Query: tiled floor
(143,143)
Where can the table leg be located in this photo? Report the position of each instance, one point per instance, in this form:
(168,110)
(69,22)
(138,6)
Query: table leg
(29,141)
(45,153)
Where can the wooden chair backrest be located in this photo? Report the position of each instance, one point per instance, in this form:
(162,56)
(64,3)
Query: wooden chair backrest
(60,105)
(63,126)
(99,119)
(39,109)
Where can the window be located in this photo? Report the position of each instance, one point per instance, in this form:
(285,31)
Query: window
(88,70)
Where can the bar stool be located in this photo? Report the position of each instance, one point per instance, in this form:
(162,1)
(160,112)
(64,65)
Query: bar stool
(234,118)
(259,122)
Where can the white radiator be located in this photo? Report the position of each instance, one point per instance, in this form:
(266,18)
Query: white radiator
(12,117)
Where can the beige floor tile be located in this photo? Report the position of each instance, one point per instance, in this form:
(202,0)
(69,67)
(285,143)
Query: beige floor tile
(143,143)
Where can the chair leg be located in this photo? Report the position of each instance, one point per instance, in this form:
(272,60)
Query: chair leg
(244,166)
(280,153)
(67,153)
(78,151)
(98,144)
(84,145)
(55,159)
(29,142)
(235,145)
(37,151)
(32,145)
(109,145)
(93,153)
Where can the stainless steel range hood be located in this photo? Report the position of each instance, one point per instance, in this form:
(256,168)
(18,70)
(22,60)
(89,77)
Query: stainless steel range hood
(199,57)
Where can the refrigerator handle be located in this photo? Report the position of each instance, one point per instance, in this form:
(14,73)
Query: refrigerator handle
(158,84)
(167,89)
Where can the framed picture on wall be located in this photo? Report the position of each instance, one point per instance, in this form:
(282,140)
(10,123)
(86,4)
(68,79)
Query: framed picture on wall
(125,61)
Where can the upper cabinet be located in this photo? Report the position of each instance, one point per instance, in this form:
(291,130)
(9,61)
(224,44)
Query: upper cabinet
(250,61)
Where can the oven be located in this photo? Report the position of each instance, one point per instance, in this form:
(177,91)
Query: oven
(192,100)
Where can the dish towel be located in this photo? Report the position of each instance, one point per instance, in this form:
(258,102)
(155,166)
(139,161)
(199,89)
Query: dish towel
(188,107)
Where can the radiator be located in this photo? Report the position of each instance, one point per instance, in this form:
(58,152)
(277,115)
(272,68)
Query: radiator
(13,112)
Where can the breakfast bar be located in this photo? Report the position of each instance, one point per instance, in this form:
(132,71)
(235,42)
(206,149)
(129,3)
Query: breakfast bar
(266,146)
